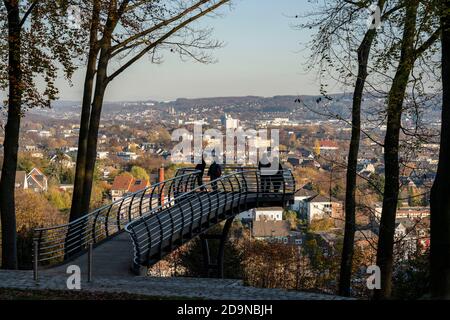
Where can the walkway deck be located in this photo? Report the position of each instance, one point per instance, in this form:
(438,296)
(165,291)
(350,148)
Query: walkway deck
(110,258)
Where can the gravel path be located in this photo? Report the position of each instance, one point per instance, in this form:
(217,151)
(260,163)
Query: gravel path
(214,289)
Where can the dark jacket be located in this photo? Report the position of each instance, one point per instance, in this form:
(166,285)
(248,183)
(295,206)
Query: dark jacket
(214,171)
(201,166)
(267,165)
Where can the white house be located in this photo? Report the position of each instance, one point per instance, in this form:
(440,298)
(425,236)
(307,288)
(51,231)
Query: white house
(246,215)
(262,214)
(300,197)
(102,154)
(269,214)
(64,160)
(320,207)
(37,181)
(127,156)
(45,134)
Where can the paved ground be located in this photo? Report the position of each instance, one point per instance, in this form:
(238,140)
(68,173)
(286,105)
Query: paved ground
(168,287)
(111,258)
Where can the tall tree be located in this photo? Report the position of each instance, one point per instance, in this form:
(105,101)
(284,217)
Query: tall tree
(440,201)
(341,27)
(338,35)
(36,39)
(161,25)
(11,143)
(411,50)
(352,161)
(86,109)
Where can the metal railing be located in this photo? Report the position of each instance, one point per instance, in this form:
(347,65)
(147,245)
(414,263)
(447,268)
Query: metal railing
(193,212)
(57,243)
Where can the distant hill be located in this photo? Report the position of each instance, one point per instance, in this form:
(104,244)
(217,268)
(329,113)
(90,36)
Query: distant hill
(248,106)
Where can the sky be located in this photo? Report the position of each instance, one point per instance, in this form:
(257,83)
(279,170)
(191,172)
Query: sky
(263,55)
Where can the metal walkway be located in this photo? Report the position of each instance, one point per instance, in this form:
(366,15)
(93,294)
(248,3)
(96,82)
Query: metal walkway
(159,219)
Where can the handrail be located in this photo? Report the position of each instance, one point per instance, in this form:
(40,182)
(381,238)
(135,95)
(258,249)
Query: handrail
(121,199)
(57,243)
(195,190)
(67,239)
(148,231)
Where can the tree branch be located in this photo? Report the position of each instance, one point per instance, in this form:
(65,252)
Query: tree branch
(158,26)
(30,9)
(427,44)
(164,37)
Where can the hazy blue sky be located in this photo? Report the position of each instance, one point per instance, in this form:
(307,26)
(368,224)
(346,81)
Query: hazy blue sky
(262,56)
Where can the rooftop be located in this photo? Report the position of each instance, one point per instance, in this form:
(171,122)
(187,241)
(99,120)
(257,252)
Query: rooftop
(265,229)
(122,182)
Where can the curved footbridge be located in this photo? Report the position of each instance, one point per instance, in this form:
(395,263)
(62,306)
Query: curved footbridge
(139,230)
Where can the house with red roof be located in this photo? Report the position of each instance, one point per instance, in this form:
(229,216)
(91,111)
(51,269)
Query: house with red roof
(328,145)
(125,184)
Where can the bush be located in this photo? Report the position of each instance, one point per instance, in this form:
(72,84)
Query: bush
(33,210)
(411,278)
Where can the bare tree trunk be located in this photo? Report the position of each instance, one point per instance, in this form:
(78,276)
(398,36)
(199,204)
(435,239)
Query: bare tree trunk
(11,142)
(391,151)
(91,153)
(75,211)
(440,201)
(350,193)
(350,200)
(86,165)
(94,123)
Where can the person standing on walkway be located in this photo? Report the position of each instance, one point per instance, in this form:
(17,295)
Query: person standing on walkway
(214,173)
(201,168)
(263,166)
(278,178)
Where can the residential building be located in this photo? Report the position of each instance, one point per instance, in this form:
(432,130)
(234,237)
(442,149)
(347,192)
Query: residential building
(413,212)
(31,148)
(301,196)
(277,231)
(102,155)
(320,207)
(63,160)
(405,212)
(328,145)
(37,155)
(45,134)
(127,156)
(229,122)
(269,214)
(37,181)
(366,240)
(66,187)
(406,238)
(246,216)
(122,183)
(125,184)
(310,163)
